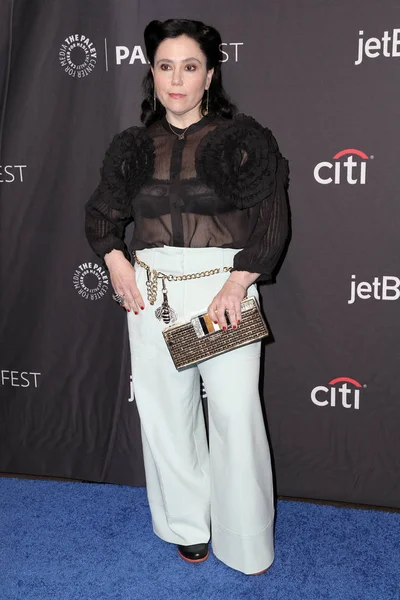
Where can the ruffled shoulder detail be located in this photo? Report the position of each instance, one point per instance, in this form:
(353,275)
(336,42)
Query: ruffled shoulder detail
(128,161)
(239,161)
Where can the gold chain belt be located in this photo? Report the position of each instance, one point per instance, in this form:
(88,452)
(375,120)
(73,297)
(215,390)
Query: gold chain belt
(165,312)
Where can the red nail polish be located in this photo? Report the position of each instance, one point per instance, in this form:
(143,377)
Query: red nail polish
(234,327)
(136,313)
(238,322)
(215,322)
(128,310)
(224,328)
(142,307)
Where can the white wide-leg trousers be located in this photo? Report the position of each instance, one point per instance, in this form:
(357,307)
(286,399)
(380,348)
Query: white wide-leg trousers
(192,488)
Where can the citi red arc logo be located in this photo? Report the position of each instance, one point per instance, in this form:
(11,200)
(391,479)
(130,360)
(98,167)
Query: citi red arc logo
(348,379)
(352,170)
(345,395)
(350,151)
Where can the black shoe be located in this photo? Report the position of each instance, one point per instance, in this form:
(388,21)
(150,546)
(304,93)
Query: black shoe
(195,553)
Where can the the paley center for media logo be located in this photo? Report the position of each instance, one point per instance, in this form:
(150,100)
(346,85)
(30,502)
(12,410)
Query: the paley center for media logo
(387,46)
(78,55)
(341,391)
(347,166)
(91,281)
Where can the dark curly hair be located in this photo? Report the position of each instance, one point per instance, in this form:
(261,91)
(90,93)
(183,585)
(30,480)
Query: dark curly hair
(210,42)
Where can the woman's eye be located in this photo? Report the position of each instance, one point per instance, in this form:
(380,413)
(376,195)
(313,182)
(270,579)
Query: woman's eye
(188,67)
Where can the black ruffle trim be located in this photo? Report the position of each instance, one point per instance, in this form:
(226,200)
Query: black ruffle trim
(219,157)
(128,161)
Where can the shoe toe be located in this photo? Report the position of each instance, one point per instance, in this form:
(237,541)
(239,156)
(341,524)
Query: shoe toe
(194,553)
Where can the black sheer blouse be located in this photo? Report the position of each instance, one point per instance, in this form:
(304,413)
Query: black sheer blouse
(222,185)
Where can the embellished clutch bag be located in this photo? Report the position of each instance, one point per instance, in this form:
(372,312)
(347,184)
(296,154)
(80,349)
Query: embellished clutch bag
(200,338)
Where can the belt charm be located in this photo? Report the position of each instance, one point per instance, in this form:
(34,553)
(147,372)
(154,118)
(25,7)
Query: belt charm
(165,312)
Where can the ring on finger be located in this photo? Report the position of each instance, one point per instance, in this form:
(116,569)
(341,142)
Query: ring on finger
(120,298)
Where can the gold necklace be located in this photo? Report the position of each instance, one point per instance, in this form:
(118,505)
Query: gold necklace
(180,135)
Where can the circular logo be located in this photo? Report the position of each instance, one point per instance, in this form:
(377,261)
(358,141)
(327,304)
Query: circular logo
(78,56)
(90,281)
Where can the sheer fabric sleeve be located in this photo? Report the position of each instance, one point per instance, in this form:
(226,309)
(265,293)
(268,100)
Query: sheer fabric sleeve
(127,162)
(242,163)
(270,213)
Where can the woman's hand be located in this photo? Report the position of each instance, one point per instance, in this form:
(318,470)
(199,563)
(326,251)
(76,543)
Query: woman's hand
(123,280)
(230,297)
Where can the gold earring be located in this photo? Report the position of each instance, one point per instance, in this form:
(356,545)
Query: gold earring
(208,94)
(154,101)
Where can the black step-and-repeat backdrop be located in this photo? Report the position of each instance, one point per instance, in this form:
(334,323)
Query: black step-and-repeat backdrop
(324,77)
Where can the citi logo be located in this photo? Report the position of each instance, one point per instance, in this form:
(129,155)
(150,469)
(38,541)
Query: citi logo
(346,395)
(381,288)
(352,169)
(387,45)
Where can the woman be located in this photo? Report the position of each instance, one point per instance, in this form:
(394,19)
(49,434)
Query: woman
(206,190)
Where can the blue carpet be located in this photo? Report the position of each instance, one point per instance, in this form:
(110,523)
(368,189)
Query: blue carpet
(74,541)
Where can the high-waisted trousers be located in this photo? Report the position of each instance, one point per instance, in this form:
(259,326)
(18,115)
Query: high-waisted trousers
(196,490)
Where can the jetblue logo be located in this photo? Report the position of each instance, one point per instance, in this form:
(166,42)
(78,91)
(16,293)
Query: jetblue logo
(388,46)
(381,288)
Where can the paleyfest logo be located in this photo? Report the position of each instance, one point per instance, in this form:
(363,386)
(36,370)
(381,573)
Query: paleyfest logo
(350,166)
(78,55)
(91,281)
(10,378)
(11,173)
(131,55)
(346,395)
(229,51)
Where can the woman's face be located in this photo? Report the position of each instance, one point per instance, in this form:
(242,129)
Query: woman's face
(180,76)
